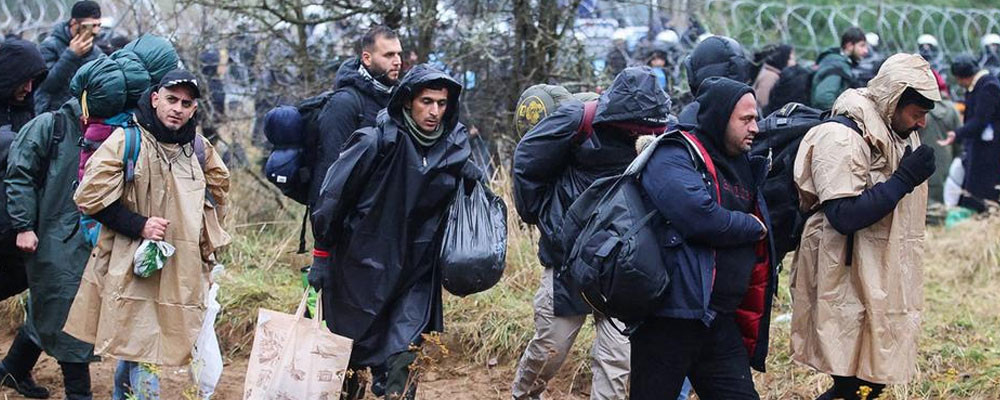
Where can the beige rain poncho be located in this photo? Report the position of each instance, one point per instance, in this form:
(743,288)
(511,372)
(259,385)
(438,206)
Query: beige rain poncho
(861,320)
(155,319)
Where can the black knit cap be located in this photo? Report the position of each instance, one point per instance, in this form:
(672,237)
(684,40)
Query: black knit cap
(964,66)
(86,9)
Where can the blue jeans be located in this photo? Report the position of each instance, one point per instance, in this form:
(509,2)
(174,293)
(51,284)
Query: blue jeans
(136,380)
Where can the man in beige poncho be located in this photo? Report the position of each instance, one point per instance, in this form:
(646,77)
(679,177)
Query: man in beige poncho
(156,319)
(857,280)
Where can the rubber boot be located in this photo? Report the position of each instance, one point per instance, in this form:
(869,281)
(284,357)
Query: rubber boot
(76,378)
(398,378)
(15,369)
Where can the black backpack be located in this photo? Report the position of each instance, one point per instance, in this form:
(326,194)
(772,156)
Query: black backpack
(794,86)
(613,235)
(294,133)
(779,138)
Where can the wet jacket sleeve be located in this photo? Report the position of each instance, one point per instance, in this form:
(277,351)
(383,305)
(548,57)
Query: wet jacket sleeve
(678,191)
(26,164)
(342,186)
(851,214)
(541,157)
(62,66)
(987,100)
(338,120)
(103,180)
(216,179)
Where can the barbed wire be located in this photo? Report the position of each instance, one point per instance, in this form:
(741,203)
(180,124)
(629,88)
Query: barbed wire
(813,28)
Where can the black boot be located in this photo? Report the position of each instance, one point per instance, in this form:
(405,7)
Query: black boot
(76,378)
(15,369)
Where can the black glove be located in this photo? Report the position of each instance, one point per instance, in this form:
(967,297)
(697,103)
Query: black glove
(319,271)
(916,165)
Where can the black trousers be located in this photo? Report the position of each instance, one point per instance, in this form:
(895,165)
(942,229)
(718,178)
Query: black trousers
(665,350)
(13,278)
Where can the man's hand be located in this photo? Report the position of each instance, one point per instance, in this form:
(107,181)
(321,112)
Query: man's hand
(81,44)
(27,241)
(948,140)
(155,228)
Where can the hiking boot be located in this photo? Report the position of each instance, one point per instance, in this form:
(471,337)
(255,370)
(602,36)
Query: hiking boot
(25,387)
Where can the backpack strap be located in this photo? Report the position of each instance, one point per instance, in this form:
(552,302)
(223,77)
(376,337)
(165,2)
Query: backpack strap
(706,159)
(846,121)
(586,128)
(133,143)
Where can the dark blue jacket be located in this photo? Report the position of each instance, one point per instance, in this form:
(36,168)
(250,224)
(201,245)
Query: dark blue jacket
(981,158)
(699,225)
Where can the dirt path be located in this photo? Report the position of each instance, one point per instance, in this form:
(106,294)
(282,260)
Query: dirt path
(451,381)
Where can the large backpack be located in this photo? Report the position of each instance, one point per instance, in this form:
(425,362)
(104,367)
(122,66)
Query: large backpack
(613,235)
(294,133)
(779,138)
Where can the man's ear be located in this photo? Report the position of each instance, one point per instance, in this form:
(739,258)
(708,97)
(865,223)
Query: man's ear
(153,98)
(366,58)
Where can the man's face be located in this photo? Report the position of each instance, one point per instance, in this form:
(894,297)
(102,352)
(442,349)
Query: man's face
(909,118)
(965,82)
(384,58)
(857,51)
(428,107)
(22,92)
(85,26)
(742,126)
(174,106)
(657,62)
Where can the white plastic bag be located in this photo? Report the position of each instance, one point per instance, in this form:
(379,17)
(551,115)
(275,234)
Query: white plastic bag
(150,257)
(953,185)
(206,357)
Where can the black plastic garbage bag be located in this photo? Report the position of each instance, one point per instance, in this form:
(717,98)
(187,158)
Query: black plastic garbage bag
(474,250)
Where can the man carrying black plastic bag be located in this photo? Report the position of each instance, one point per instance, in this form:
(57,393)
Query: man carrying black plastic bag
(378,226)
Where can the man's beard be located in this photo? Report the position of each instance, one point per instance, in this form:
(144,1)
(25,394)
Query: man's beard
(382,76)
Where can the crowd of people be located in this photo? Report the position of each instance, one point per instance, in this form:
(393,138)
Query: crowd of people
(103,155)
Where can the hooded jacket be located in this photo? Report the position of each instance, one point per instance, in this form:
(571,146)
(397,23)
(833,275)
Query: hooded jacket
(380,214)
(21,61)
(719,263)
(354,105)
(861,320)
(833,76)
(552,166)
(715,56)
(62,63)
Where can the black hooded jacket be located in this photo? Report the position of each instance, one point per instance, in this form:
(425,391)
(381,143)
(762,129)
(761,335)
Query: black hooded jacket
(552,167)
(20,62)
(379,214)
(354,105)
(715,56)
(718,97)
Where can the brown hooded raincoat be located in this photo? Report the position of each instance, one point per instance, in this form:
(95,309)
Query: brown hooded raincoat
(155,319)
(861,320)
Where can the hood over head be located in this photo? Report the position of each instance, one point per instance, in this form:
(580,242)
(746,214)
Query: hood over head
(419,77)
(899,72)
(718,97)
(636,97)
(21,61)
(716,56)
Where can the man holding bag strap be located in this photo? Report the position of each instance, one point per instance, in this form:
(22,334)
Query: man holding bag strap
(125,314)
